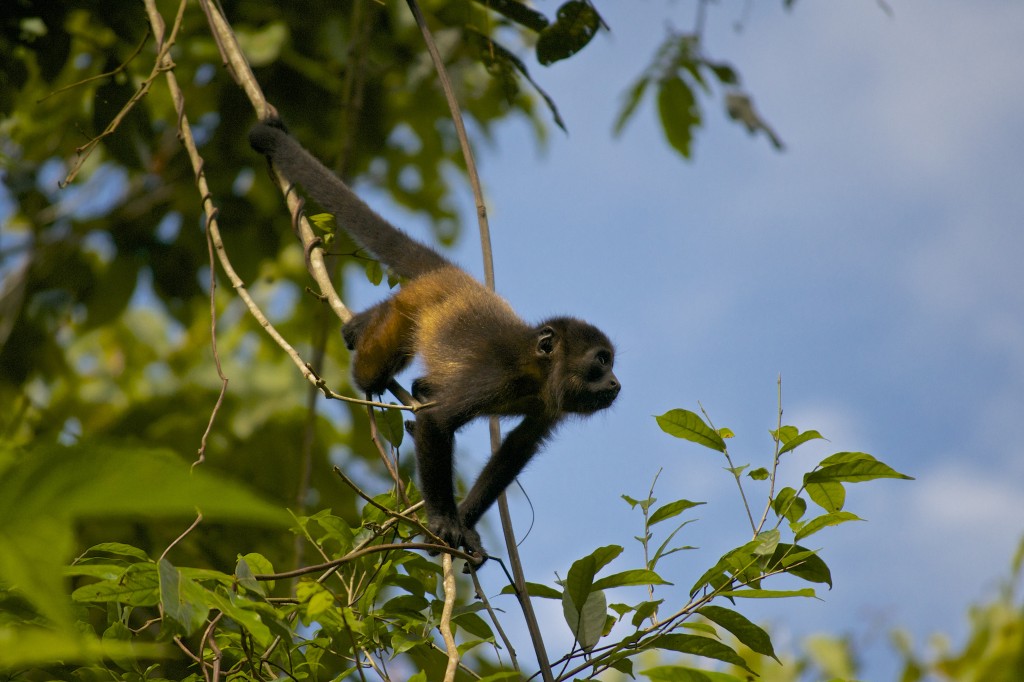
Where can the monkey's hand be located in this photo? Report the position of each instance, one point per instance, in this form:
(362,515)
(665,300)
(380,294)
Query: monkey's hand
(457,534)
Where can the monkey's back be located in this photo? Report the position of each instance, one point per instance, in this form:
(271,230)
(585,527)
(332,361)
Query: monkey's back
(469,338)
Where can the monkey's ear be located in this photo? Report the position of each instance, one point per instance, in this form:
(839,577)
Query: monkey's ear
(545,341)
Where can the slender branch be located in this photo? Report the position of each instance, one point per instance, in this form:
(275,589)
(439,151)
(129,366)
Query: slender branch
(732,470)
(775,462)
(485,243)
(355,554)
(494,619)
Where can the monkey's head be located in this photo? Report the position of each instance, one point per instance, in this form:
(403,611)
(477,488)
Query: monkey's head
(581,372)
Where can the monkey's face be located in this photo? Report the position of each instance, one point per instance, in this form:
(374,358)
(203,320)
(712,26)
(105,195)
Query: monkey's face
(591,384)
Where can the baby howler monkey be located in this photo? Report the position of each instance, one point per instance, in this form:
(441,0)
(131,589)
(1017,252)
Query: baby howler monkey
(479,357)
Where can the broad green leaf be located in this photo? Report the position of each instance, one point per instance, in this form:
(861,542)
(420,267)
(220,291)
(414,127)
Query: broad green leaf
(798,440)
(244,614)
(767,542)
(118,548)
(685,424)
(701,646)
(853,472)
(535,590)
(802,563)
(830,496)
(824,521)
(768,594)
(759,474)
(586,624)
(579,580)
(788,505)
(679,114)
(138,586)
(671,509)
(184,601)
(745,631)
(638,576)
(575,24)
(253,564)
(645,610)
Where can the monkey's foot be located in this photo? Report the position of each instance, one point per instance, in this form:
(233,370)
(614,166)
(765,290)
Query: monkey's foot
(456,534)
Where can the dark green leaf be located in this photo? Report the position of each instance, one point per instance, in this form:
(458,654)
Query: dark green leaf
(685,424)
(518,12)
(575,24)
(138,586)
(535,590)
(679,673)
(679,115)
(701,646)
(744,630)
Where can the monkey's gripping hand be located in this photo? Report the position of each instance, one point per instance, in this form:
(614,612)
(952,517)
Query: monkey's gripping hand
(456,534)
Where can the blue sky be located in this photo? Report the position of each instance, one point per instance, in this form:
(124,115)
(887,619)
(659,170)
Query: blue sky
(876,265)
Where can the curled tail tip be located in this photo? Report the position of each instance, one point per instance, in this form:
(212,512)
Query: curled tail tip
(264,136)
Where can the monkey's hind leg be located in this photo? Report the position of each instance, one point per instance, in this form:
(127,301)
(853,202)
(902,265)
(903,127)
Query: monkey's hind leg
(382,338)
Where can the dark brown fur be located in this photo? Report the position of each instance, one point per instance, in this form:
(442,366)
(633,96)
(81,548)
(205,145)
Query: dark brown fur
(480,358)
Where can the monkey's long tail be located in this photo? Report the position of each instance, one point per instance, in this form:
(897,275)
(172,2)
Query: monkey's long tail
(395,248)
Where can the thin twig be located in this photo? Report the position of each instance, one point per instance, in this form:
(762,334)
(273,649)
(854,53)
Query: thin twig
(485,242)
(445,626)
(732,470)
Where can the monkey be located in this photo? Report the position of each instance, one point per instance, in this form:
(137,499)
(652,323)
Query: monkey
(479,357)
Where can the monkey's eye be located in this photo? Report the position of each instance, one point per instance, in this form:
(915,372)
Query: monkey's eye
(603,358)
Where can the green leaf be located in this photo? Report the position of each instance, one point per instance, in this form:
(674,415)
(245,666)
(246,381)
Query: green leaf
(518,12)
(118,548)
(795,442)
(636,93)
(580,579)
(24,647)
(575,24)
(586,624)
(679,115)
(183,600)
(824,521)
(535,590)
(645,610)
(854,471)
(768,594)
(639,576)
(787,504)
(244,614)
(138,586)
(685,424)
(767,542)
(745,631)
(829,496)
(671,509)
(759,474)
(701,646)
(679,673)
(802,563)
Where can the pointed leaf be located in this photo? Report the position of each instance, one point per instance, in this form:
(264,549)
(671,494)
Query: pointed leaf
(745,631)
(824,521)
(671,509)
(702,646)
(793,443)
(638,576)
(685,424)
